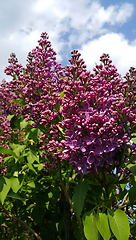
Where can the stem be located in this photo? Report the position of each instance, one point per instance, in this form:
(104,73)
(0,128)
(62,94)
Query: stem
(79,220)
(81,227)
(66,201)
(67,217)
(60,178)
(26,226)
(105,187)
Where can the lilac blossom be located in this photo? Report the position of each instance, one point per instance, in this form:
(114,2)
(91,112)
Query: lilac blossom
(95,107)
(97,111)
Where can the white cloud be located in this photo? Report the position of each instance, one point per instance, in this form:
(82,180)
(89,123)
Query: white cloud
(122,53)
(21,24)
(93,19)
(124,13)
(114,14)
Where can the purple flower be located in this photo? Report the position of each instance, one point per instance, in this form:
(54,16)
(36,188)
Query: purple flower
(90,139)
(75,144)
(86,110)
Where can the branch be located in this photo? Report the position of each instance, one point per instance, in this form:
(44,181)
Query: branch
(81,227)
(26,226)
(124,199)
(60,178)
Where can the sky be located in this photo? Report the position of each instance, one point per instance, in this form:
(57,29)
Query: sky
(93,27)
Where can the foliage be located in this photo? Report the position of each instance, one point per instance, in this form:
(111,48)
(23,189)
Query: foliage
(67,149)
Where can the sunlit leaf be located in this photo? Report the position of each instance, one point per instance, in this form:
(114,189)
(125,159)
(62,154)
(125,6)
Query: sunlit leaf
(90,228)
(119,224)
(8,151)
(103,225)
(4,188)
(16,183)
(9,117)
(23,124)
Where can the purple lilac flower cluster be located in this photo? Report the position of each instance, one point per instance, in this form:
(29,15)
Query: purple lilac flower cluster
(96,110)
(99,114)
(38,86)
(5,129)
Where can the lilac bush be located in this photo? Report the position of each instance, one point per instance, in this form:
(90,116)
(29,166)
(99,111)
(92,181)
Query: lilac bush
(85,128)
(97,110)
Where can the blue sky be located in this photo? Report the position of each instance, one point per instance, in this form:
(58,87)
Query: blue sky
(129,28)
(92,27)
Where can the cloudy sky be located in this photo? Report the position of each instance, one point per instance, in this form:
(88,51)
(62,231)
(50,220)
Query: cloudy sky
(93,27)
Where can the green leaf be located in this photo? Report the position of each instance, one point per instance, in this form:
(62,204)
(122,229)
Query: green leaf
(38,166)
(4,188)
(63,78)
(50,194)
(133,168)
(34,134)
(103,225)
(31,206)
(62,94)
(119,224)
(60,129)
(123,186)
(16,183)
(16,196)
(6,159)
(31,184)
(38,215)
(9,117)
(79,196)
(23,124)
(7,151)
(18,150)
(30,166)
(31,157)
(132,194)
(34,153)
(133,140)
(20,102)
(90,229)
